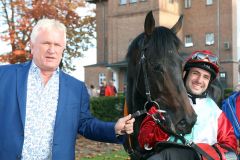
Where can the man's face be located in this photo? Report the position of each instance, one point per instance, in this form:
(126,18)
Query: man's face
(47,49)
(197,81)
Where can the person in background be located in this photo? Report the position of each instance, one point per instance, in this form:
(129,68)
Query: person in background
(212,127)
(43,109)
(93,91)
(110,89)
(102,88)
(231,107)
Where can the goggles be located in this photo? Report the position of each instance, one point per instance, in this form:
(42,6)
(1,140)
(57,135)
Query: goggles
(201,56)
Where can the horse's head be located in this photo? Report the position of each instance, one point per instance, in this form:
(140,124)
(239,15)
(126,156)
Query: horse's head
(155,66)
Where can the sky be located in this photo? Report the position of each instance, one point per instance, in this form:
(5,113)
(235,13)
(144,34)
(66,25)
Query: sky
(88,59)
(89,56)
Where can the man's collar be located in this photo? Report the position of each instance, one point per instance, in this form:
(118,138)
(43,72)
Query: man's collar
(35,68)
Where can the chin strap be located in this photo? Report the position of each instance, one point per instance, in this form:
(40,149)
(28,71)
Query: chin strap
(194,96)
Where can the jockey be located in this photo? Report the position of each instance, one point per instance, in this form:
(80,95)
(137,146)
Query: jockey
(212,127)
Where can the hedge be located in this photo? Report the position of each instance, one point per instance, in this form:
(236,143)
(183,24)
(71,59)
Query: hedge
(111,108)
(107,108)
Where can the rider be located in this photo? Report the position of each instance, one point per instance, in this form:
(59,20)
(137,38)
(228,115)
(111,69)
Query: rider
(212,127)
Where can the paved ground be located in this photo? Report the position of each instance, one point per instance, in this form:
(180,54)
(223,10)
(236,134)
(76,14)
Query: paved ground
(89,149)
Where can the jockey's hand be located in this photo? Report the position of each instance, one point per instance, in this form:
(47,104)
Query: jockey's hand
(124,125)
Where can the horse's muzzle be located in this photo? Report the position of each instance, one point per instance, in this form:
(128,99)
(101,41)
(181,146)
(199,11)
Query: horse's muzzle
(185,126)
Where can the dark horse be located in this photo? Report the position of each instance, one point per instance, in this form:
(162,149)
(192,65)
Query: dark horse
(155,78)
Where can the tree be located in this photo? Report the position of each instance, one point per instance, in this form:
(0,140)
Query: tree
(19,16)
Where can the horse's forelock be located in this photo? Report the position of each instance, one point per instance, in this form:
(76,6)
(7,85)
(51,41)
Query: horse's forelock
(163,40)
(166,40)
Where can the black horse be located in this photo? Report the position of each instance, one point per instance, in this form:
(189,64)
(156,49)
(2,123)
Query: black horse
(155,78)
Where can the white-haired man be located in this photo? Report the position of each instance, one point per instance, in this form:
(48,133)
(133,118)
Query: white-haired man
(42,109)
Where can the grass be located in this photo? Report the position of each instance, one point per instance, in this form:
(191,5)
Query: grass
(111,155)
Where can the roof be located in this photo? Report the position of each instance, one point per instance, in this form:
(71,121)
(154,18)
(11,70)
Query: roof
(94,1)
(121,64)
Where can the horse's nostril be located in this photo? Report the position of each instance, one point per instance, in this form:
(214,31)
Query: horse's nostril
(183,123)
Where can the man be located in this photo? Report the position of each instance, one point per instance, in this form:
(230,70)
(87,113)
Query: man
(211,128)
(102,88)
(110,89)
(42,109)
(231,106)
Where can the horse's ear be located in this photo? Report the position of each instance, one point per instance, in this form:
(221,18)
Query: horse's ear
(149,24)
(178,25)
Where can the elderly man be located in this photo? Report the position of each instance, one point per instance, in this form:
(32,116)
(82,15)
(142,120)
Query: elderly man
(42,109)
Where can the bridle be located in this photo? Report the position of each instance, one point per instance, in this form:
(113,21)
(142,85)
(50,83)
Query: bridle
(142,62)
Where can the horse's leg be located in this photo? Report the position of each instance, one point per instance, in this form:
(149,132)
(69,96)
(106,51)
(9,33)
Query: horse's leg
(175,154)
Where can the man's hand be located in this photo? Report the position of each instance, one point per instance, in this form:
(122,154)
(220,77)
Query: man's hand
(124,125)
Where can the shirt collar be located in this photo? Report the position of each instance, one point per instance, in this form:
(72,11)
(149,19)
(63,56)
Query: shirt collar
(34,68)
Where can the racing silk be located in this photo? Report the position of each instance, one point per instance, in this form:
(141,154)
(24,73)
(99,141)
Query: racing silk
(231,106)
(212,126)
(206,127)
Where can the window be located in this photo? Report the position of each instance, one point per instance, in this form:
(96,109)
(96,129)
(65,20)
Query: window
(133,1)
(188,41)
(101,77)
(171,1)
(209,2)
(222,75)
(209,39)
(122,2)
(187,3)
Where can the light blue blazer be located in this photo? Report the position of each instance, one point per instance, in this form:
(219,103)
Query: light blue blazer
(72,116)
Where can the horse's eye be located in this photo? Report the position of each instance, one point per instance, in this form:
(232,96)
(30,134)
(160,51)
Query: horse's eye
(157,67)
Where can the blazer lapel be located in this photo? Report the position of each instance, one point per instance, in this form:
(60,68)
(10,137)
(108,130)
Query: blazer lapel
(22,76)
(62,99)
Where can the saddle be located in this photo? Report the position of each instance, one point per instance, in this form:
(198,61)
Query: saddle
(203,151)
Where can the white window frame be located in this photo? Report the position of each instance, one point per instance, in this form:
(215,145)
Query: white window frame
(209,39)
(132,1)
(187,3)
(188,41)
(209,2)
(122,2)
(101,77)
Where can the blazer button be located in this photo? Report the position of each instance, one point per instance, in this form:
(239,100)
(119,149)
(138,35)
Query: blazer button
(19,157)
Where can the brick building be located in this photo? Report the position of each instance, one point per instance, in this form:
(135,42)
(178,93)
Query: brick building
(208,24)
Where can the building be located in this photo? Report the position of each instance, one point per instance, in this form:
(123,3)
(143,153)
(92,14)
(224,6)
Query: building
(208,24)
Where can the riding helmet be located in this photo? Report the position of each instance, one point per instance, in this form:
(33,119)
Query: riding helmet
(203,59)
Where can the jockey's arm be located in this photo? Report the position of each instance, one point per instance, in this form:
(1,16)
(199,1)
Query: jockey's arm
(226,134)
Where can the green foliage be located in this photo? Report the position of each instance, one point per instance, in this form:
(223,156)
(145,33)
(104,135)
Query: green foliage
(107,108)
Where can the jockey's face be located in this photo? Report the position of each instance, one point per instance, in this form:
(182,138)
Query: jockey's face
(197,81)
